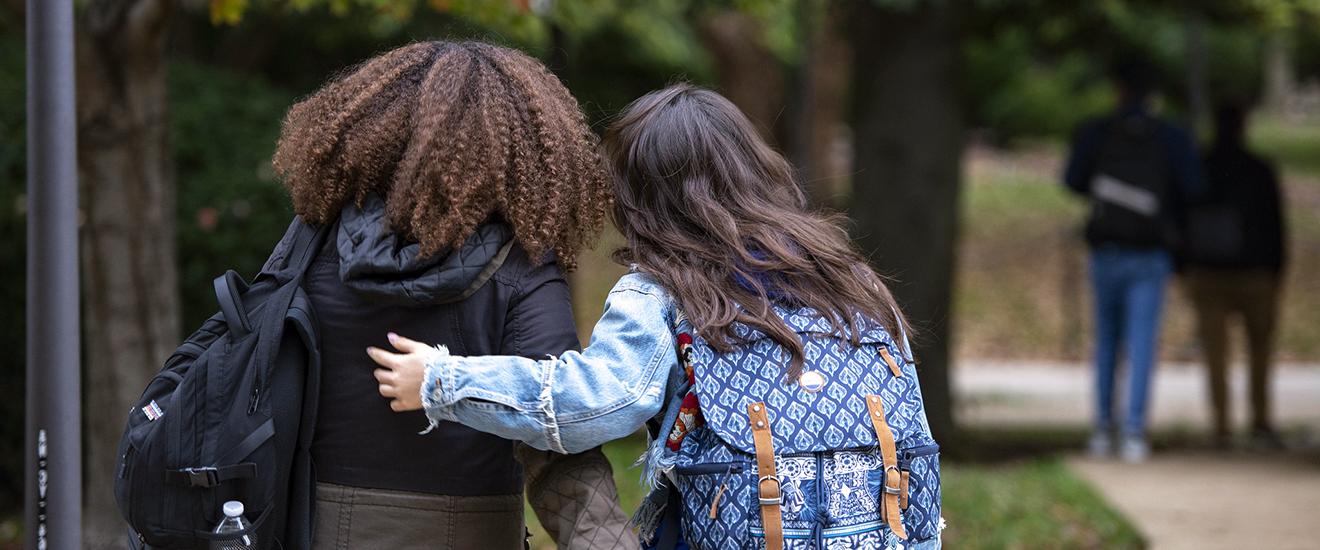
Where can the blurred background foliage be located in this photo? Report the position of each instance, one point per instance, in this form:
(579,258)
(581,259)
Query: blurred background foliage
(1031,70)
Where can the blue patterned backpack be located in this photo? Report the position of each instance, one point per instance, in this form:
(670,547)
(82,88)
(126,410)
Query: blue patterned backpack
(842,458)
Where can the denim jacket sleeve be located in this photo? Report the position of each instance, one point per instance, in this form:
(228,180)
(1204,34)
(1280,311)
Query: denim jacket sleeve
(578,400)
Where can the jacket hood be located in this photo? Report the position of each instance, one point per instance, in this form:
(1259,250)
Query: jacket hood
(375,261)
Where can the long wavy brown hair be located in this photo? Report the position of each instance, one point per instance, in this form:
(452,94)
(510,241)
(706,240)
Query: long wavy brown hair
(451,135)
(714,214)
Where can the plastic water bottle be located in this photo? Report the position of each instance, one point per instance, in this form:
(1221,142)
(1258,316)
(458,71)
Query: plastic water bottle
(233,524)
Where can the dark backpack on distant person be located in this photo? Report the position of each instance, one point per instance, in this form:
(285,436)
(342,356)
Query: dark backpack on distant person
(231,416)
(1214,233)
(1130,188)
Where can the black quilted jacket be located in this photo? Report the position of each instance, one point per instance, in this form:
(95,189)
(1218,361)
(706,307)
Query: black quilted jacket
(485,298)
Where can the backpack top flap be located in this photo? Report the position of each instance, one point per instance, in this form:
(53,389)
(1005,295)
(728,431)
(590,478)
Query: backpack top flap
(834,416)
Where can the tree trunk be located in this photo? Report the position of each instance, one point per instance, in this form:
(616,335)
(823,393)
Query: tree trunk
(908,148)
(1198,82)
(749,73)
(1279,79)
(128,240)
(823,170)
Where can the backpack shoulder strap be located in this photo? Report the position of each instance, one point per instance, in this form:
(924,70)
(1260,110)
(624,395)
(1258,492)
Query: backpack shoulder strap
(295,250)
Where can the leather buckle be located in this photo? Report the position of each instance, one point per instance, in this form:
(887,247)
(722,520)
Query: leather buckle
(896,478)
(202,477)
(774,500)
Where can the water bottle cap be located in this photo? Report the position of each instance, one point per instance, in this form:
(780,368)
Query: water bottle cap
(233,509)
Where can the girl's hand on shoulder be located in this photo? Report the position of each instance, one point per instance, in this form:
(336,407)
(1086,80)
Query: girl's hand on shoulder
(401,374)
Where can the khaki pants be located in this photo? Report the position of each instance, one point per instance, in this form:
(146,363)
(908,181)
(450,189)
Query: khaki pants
(1253,295)
(351,517)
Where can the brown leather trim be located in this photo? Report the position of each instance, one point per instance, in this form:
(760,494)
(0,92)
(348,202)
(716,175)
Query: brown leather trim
(893,486)
(715,502)
(903,491)
(889,360)
(767,482)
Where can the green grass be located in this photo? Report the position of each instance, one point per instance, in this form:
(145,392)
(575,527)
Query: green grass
(1021,287)
(1028,505)
(1037,504)
(1019,253)
(11,532)
(1294,146)
(1005,201)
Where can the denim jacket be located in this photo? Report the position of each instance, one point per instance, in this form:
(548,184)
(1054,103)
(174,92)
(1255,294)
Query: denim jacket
(626,375)
(578,400)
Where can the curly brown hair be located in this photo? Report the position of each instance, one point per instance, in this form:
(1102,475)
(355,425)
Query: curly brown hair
(451,135)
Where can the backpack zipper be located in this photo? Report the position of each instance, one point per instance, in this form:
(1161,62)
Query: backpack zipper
(255,397)
(126,474)
(724,485)
(917,452)
(709,468)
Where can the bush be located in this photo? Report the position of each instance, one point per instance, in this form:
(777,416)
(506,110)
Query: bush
(231,211)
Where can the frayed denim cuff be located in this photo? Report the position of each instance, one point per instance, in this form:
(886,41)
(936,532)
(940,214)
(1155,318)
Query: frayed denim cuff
(436,381)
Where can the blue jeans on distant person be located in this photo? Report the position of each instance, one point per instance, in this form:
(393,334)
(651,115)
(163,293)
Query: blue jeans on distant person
(1129,297)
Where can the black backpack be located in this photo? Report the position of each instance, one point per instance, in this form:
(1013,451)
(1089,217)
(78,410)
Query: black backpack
(1130,188)
(1214,234)
(231,415)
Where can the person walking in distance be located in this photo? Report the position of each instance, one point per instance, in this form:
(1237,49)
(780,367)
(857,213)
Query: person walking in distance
(1235,256)
(1137,170)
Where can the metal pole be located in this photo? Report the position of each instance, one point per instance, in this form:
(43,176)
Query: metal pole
(53,493)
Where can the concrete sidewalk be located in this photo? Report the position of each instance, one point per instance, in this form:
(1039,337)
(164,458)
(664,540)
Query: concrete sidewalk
(1179,499)
(1204,501)
(1060,394)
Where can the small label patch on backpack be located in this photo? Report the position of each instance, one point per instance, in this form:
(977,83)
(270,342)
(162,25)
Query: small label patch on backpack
(153,411)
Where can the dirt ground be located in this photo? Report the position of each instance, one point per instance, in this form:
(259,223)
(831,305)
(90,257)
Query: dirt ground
(1021,289)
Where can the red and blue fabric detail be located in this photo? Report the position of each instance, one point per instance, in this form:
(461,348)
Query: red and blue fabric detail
(689,411)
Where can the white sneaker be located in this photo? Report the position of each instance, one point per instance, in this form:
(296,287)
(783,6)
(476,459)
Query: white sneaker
(1135,449)
(1101,445)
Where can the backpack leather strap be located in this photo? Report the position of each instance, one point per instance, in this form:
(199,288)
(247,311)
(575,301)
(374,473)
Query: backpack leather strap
(893,487)
(889,360)
(903,490)
(767,484)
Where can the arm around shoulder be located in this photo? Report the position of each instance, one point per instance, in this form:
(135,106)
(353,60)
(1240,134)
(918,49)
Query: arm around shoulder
(573,402)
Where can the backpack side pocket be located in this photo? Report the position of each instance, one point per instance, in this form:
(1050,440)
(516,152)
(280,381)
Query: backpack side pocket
(920,498)
(718,502)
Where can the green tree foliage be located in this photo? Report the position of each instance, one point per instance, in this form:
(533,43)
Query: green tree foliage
(231,209)
(1035,68)
(1014,93)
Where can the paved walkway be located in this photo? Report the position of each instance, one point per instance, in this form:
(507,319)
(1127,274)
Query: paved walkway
(1051,393)
(1179,499)
(1201,501)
